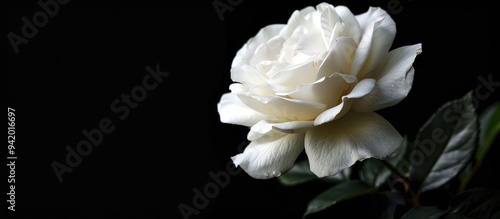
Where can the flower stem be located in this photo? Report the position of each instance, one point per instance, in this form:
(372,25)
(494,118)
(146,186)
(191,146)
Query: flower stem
(412,198)
(394,170)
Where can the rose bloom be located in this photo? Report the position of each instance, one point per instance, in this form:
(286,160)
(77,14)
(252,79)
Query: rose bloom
(314,84)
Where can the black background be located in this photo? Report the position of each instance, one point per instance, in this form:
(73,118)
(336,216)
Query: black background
(66,77)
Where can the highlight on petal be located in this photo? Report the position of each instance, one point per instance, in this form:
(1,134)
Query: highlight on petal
(267,51)
(269,158)
(267,128)
(329,20)
(289,54)
(311,42)
(379,30)
(296,19)
(363,88)
(363,50)
(374,13)
(247,75)
(337,145)
(233,111)
(351,24)
(238,88)
(394,82)
(283,108)
(293,76)
(376,42)
(338,59)
(245,53)
(326,90)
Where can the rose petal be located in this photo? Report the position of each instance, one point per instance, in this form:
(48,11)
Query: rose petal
(264,128)
(329,20)
(393,83)
(294,76)
(311,43)
(258,130)
(373,13)
(238,88)
(351,24)
(268,159)
(247,75)
(296,19)
(326,90)
(289,53)
(283,108)
(337,145)
(293,126)
(364,48)
(379,32)
(267,51)
(233,111)
(246,52)
(261,90)
(363,88)
(338,59)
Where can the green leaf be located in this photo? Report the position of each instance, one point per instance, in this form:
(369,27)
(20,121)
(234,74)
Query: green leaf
(476,203)
(374,172)
(444,145)
(298,174)
(427,212)
(489,128)
(341,192)
(343,175)
(395,159)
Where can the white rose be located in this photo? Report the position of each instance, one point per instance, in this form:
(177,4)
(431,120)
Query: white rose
(314,84)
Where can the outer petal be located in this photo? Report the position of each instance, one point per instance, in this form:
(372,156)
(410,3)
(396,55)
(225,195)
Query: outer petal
(233,111)
(393,83)
(379,32)
(363,88)
(352,28)
(329,20)
(295,20)
(337,145)
(247,75)
(326,90)
(267,128)
(373,14)
(244,55)
(312,41)
(270,158)
(283,108)
(267,51)
(338,59)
